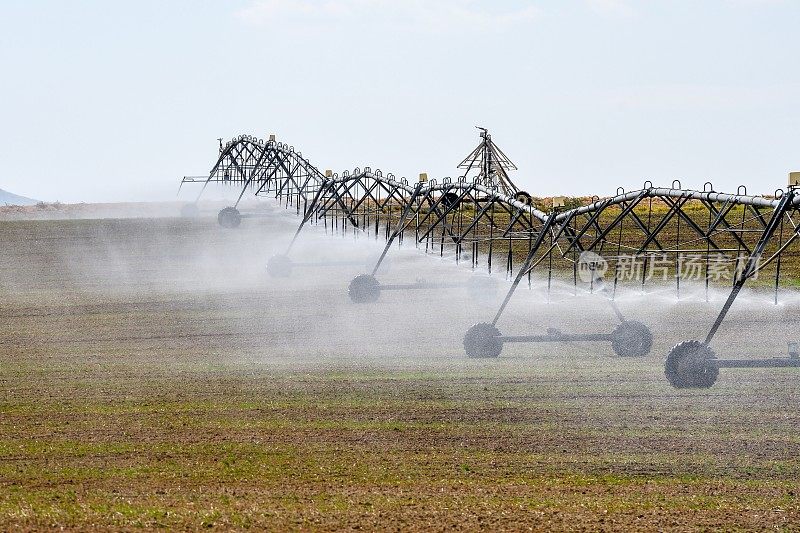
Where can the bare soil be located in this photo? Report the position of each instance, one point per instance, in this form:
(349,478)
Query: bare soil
(152,375)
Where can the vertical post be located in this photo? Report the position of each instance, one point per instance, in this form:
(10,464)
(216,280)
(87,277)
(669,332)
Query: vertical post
(574,272)
(530,243)
(491,234)
(739,267)
(549,269)
(778,263)
(708,249)
(460,228)
(616,261)
(378,210)
(646,255)
(416,231)
(510,260)
(678,254)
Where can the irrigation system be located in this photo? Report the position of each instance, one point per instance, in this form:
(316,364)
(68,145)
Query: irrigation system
(483,218)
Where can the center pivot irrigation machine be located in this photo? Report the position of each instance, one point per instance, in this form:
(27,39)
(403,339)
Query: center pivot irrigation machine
(483,218)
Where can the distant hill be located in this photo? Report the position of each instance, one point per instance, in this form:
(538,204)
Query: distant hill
(7,198)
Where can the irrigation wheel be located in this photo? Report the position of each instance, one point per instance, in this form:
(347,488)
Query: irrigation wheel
(229,218)
(482,342)
(688,366)
(631,339)
(364,289)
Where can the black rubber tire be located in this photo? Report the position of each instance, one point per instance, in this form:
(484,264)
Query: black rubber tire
(190,211)
(364,289)
(229,218)
(482,289)
(279,266)
(632,339)
(481,341)
(523,197)
(450,200)
(687,366)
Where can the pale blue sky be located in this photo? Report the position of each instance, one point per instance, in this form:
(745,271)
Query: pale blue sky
(105,100)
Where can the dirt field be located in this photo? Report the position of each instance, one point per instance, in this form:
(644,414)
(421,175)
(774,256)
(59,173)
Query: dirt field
(153,375)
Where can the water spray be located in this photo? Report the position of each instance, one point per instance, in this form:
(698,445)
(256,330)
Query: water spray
(487,220)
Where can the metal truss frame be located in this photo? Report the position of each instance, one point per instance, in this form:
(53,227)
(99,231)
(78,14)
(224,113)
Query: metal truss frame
(483,224)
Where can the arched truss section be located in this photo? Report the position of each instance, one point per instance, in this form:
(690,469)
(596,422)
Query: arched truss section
(461,217)
(262,167)
(722,238)
(680,229)
(668,229)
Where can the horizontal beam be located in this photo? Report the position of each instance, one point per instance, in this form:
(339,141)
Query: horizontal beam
(777,362)
(655,192)
(421,285)
(558,337)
